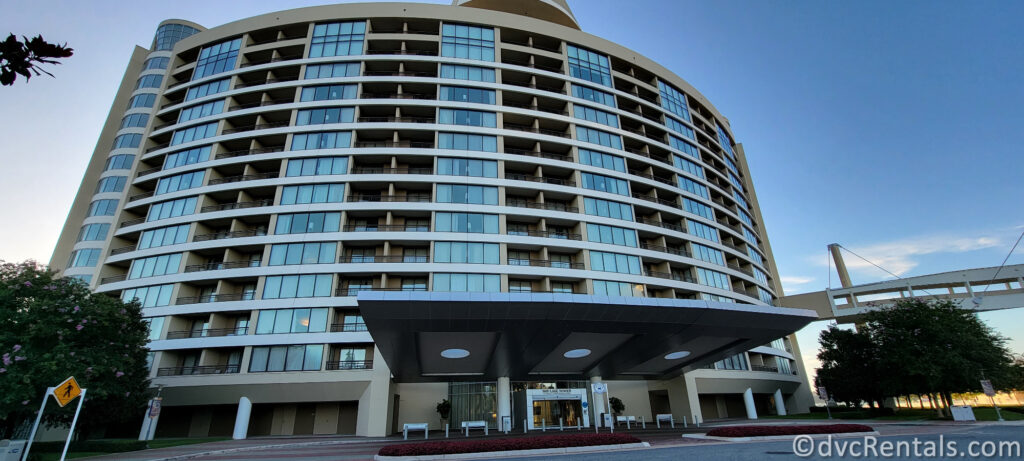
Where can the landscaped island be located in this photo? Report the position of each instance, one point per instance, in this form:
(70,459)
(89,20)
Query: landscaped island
(506,444)
(763,431)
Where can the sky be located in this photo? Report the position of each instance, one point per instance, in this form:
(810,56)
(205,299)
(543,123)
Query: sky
(892,128)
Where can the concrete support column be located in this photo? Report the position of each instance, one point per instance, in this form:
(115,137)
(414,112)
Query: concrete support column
(242,419)
(597,402)
(504,402)
(780,403)
(748,401)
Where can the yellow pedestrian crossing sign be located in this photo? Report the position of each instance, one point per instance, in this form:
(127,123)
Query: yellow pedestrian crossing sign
(67,391)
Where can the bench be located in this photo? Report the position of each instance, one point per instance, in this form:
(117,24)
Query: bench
(667,417)
(625,419)
(467,425)
(415,427)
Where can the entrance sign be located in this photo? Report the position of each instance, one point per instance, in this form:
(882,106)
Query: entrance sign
(154,411)
(986,386)
(823,393)
(66,391)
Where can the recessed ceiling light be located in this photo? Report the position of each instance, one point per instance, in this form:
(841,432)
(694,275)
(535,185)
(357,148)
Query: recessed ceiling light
(677,355)
(576,353)
(454,353)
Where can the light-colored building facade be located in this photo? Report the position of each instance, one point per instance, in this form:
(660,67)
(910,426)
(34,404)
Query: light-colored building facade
(262,186)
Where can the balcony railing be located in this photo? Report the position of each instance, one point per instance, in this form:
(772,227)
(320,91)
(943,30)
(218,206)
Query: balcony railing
(396,96)
(395,73)
(236,206)
(374,170)
(355,259)
(406,52)
(350,365)
(544,263)
(537,87)
(538,108)
(158,147)
(203,370)
(674,251)
(395,120)
(664,225)
(222,266)
(240,153)
(656,200)
(229,235)
(532,178)
(147,172)
(250,105)
(113,278)
(262,126)
(542,206)
(564,158)
(547,234)
(352,291)
(132,222)
(412,144)
(214,298)
(764,368)
(207,333)
(660,179)
(263,82)
(122,250)
(384,228)
(268,61)
(530,129)
(240,178)
(347,327)
(419,198)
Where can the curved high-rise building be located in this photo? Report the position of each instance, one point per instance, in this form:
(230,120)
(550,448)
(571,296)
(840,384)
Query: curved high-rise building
(349,213)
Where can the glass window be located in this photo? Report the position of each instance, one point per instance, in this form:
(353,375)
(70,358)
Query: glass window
(611,234)
(127,141)
(194,133)
(322,140)
(740,200)
(467,167)
(156,326)
(712,278)
(735,362)
(316,166)
(475,283)
(111,184)
(337,39)
(156,63)
(678,127)
(155,265)
(466,252)
(462,141)
(458,193)
(169,34)
(134,121)
(686,147)
(466,222)
(87,257)
(164,236)
(598,137)
(673,100)
(201,110)
(595,115)
(149,81)
(301,223)
(588,65)
(119,162)
(688,166)
(760,276)
(151,296)
(755,256)
(298,286)
(698,208)
(325,115)
(303,253)
(604,183)
(292,321)
(142,100)
(726,142)
(705,253)
(693,187)
(171,209)
(590,94)
(750,236)
(341,69)
(217,58)
(467,118)
(607,209)
(187,157)
(602,160)
(609,288)
(467,42)
(614,262)
(102,208)
(471,73)
(208,88)
(93,232)
(328,92)
(286,358)
(702,230)
(313,193)
(464,94)
(180,182)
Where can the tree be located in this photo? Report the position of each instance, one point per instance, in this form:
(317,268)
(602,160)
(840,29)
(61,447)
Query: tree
(617,406)
(849,366)
(52,328)
(25,58)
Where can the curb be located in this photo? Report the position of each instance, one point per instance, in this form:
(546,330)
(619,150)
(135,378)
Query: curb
(513,453)
(778,437)
(226,451)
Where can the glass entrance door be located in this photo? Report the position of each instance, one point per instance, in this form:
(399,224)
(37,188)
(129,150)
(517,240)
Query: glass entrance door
(571,412)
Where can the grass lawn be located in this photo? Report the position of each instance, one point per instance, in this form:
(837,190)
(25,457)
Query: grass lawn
(157,443)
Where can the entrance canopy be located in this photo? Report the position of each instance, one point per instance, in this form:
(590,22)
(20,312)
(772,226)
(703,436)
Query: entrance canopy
(433,336)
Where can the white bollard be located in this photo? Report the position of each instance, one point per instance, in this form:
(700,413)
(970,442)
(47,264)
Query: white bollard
(524,426)
(643,422)
(578,426)
(560,427)
(543,425)
(242,419)
(446,430)
(696,421)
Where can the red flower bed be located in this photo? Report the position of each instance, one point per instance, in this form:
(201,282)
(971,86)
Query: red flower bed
(760,431)
(513,443)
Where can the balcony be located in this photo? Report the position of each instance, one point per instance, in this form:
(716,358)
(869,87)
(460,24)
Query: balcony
(263,126)
(214,298)
(147,172)
(547,234)
(545,263)
(418,198)
(537,108)
(660,179)
(229,235)
(236,206)
(656,200)
(247,177)
(350,365)
(530,129)
(395,73)
(395,120)
(527,177)
(141,196)
(207,333)
(356,259)
(413,144)
(203,370)
(113,278)
(674,251)
(122,250)
(352,291)
(259,104)
(663,225)
(222,266)
(268,61)
(404,52)
(240,153)
(542,206)
(530,153)
(396,96)
(347,327)
(132,222)
(373,170)
(384,228)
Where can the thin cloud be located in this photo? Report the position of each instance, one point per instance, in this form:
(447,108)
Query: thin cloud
(794,283)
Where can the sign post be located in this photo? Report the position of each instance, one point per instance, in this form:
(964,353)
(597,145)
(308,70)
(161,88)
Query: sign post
(63,393)
(986,386)
(823,395)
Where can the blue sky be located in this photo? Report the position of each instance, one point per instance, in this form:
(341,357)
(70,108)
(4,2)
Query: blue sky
(892,128)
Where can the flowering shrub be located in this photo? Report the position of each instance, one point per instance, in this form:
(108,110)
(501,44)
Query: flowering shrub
(513,443)
(760,431)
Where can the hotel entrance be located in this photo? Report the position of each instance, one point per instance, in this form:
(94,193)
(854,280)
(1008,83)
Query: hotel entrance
(549,411)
